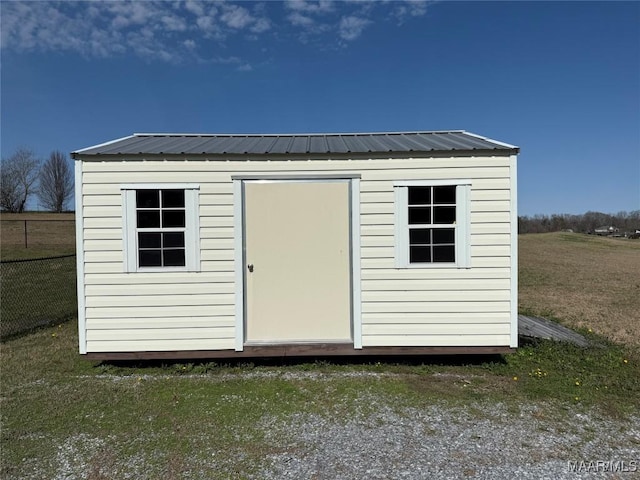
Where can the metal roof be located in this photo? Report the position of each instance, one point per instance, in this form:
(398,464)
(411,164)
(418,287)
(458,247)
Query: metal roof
(317,143)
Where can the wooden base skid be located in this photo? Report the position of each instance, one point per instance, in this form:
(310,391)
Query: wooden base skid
(298,350)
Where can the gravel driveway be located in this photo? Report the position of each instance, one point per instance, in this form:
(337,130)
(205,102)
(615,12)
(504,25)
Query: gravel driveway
(383,439)
(445,442)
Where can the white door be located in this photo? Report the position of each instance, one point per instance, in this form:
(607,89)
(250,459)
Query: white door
(298,265)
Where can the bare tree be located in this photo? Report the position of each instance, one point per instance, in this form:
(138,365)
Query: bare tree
(19,174)
(56,182)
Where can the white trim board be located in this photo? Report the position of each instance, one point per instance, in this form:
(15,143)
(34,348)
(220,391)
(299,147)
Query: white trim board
(102,144)
(514,251)
(82,317)
(356,272)
(238,238)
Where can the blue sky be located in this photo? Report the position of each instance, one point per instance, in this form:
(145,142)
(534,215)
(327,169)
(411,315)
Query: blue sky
(559,79)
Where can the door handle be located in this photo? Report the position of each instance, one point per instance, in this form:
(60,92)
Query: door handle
(250,267)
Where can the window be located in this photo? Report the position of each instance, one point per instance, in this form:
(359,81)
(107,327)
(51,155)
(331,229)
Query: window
(160,227)
(431,224)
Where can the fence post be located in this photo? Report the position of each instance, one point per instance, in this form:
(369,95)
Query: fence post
(26,243)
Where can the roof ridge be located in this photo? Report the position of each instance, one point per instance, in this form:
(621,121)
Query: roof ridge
(308,134)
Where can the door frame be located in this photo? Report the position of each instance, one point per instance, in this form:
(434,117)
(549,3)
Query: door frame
(239,182)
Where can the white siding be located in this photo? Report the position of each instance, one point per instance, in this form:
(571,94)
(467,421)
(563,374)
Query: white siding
(152,311)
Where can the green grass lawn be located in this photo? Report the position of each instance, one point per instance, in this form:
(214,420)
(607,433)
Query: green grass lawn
(35,293)
(60,411)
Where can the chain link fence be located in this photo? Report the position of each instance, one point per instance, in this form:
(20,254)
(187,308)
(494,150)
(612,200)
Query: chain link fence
(34,232)
(36,292)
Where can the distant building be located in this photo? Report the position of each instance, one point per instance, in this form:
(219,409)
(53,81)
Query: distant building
(606,231)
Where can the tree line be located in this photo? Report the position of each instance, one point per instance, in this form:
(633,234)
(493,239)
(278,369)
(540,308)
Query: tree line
(582,223)
(23,175)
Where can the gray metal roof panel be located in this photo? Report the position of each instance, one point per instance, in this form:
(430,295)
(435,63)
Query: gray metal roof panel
(355,144)
(126,145)
(471,141)
(318,144)
(432,142)
(336,144)
(375,143)
(178,144)
(281,145)
(300,144)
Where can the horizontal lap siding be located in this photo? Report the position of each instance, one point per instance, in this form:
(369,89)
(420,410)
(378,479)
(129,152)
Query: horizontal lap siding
(435,306)
(181,310)
(156,311)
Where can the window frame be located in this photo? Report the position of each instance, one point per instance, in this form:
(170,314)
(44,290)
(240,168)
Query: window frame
(461,227)
(191,229)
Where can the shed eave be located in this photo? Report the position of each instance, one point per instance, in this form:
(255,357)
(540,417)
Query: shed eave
(302,155)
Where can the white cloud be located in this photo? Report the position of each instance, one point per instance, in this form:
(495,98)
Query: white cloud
(410,9)
(261,25)
(236,17)
(206,23)
(197,8)
(191,30)
(351,27)
(174,23)
(322,6)
(300,20)
(417,8)
(133,13)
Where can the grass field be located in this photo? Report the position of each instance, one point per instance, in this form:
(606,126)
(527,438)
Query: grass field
(582,281)
(65,417)
(48,234)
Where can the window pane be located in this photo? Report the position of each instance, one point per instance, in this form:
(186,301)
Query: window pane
(149,240)
(150,258)
(444,215)
(443,235)
(172,218)
(419,195)
(419,236)
(445,194)
(444,253)
(172,198)
(148,219)
(173,239)
(419,254)
(173,258)
(419,215)
(148,198)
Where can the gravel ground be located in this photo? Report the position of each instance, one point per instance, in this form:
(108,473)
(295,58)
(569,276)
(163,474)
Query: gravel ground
(384,440)
(452,443)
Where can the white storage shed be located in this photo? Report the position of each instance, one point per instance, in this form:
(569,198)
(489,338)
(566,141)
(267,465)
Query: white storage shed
(207,246)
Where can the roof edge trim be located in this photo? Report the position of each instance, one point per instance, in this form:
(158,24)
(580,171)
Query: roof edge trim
(487,139)
(100,145)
